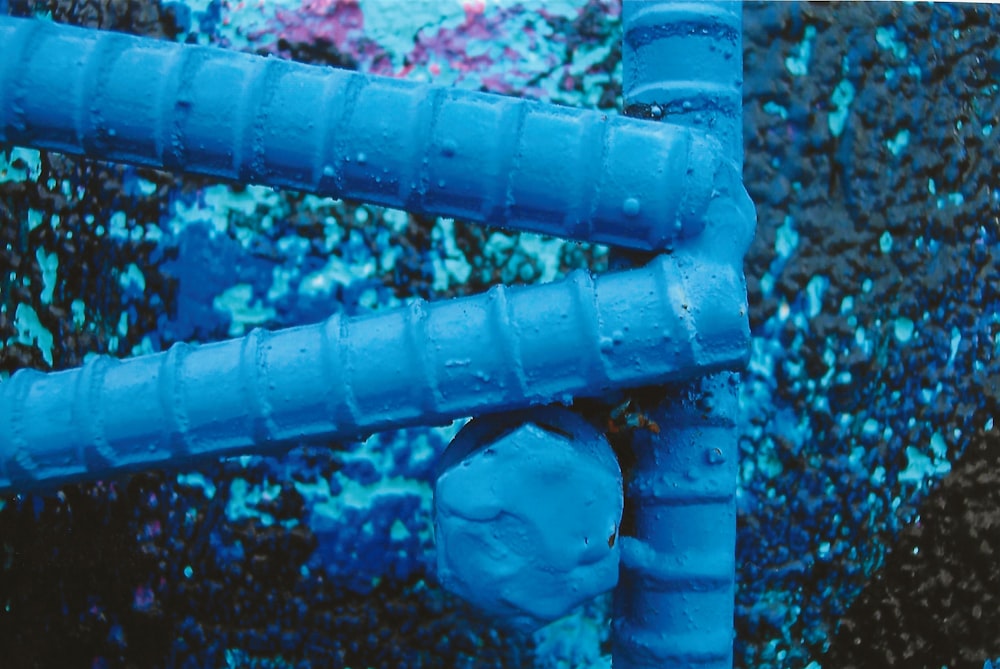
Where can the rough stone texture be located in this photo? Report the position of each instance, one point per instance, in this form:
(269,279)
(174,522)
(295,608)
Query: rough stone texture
(846,400)
(874,300)
(936,600)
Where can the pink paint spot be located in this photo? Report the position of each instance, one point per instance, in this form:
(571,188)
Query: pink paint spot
(152,529)
(338,23)
(475,7)
(144,598)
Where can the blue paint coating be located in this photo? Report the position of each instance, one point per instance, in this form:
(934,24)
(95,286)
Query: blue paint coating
(686,59)
(675,318)
(498,160)
(675,603)
(709,302)
(527,509)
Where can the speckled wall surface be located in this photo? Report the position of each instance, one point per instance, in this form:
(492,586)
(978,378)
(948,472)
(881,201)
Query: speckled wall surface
(870,506)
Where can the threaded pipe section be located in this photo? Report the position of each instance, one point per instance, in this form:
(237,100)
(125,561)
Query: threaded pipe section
(683,62)
(427,363)
(486,158)
(675,598)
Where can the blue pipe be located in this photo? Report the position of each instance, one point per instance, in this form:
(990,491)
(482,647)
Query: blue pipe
(497,160)
(244,117)
(500,161)
(682,63)
(424,364)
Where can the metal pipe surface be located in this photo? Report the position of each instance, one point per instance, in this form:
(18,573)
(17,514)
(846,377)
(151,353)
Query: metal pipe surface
(424,364)
(682,63)
(487,158)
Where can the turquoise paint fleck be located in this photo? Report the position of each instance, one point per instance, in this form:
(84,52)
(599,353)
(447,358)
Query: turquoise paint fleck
(48,263)
(398,531)
(823,551)
(133,276)
(147,188)
(767,283)
(451,268)
(29,157)
(921,466)
(118,226)
(885,242)
(786,238)
(956,340)
(78,309)
(903,329)
(197,480)
(798,63)
(938,446)
(888,39)
(843,96)
(776,109)
(814,294)
(144,347)
(899,142)
(34,219)
(30,331)
(243,310)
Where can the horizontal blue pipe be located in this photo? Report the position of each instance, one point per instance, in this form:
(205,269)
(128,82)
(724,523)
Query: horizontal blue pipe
(486,158)
(423,364)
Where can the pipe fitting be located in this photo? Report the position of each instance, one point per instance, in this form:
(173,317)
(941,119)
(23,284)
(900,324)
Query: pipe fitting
(527,507)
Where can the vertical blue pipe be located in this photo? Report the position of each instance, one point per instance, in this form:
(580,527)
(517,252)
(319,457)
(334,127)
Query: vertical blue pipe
(682,62)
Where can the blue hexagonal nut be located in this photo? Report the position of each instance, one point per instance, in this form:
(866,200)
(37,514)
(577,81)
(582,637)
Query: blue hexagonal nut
(527,507)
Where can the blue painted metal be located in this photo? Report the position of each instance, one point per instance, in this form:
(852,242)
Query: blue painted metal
(682,62)
(427,363)
(527,507)
(498,160)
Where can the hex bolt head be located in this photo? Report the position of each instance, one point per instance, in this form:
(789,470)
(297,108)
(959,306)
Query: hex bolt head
(527,507)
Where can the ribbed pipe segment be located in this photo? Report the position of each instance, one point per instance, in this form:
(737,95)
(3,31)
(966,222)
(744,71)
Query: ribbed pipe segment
(674,605)
(487,158)
(682,62)
(424,364)
(675,598)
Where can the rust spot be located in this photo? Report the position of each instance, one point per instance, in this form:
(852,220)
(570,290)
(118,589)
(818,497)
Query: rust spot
(611,540)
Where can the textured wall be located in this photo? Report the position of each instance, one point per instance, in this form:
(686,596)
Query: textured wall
(868,493)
